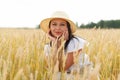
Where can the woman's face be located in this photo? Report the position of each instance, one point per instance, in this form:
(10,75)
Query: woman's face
(58,27)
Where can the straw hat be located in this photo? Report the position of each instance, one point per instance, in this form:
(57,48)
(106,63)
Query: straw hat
(58,14)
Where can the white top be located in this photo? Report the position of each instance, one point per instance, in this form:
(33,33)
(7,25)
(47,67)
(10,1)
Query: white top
(74,45)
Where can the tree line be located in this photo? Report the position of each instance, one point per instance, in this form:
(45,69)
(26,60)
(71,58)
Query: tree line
(102,24)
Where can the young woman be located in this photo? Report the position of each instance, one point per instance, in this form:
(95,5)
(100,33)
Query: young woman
(59,27)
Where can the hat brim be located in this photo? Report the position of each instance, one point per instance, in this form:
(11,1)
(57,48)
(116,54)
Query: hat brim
(44,25)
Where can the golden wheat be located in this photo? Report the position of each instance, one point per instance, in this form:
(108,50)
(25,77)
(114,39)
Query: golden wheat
(22,56)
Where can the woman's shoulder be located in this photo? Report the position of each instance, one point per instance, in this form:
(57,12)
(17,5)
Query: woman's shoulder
(75,44)
(77,39)
(47,49)
(47,45)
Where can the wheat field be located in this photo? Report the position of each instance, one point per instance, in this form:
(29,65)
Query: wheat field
(22,56)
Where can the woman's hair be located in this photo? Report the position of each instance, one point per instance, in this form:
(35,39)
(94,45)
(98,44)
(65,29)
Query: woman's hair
(70,36)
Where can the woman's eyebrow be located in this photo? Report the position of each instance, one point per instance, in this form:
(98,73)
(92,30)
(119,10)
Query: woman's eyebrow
(63,22)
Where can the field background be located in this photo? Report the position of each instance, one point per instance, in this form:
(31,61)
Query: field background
(22,57)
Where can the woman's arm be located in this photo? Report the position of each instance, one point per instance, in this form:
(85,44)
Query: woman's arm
(70,59)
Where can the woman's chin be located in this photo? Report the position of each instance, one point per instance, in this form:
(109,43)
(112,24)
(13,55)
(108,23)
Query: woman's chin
(58,36)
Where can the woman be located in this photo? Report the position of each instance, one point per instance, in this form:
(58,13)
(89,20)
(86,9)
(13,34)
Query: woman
(60,28)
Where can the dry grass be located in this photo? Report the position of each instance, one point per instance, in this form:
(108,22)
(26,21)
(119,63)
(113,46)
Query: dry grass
(22,56)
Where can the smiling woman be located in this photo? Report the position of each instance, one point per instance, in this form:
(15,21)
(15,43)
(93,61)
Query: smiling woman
(60,29)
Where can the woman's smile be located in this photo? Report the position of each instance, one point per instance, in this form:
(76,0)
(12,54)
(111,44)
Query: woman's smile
(58,33)
(58,27)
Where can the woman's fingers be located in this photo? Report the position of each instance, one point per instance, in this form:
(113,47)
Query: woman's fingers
(50,36)
(65,35)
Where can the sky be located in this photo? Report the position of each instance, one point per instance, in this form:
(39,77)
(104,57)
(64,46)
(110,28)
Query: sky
(29,13)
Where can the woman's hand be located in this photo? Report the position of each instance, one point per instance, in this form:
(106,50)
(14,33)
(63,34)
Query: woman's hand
(65,35)
(52,38)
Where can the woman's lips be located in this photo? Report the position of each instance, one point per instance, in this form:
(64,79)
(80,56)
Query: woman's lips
(58,33)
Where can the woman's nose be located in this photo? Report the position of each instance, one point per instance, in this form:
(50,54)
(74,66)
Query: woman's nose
(58,27)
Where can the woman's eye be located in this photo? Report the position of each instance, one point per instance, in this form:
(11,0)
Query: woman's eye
(62,24)
(54,24)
